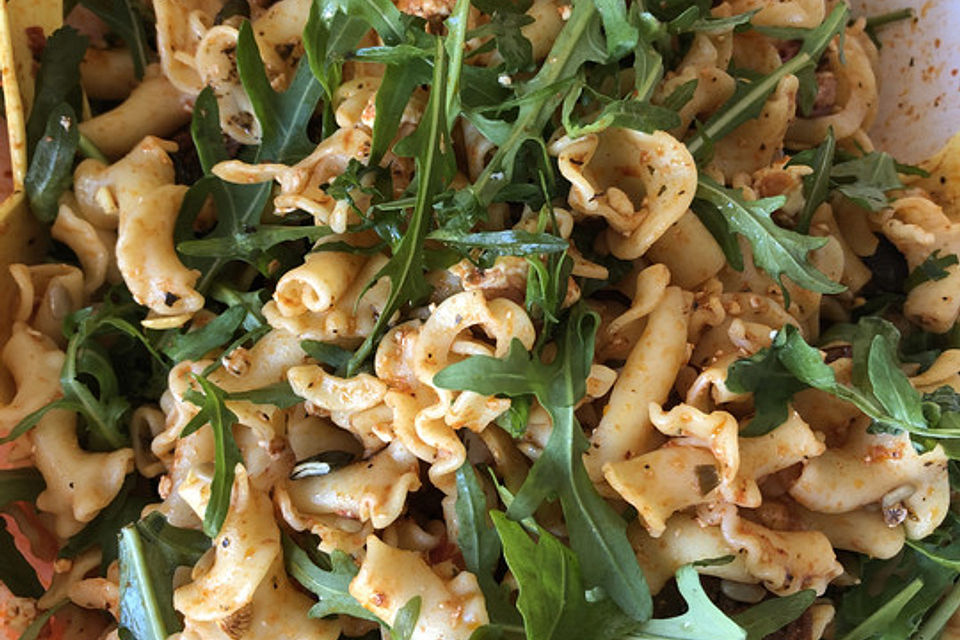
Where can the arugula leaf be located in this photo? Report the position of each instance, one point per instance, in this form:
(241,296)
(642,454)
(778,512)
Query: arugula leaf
(330,583)
(880,388)
(405,622)
(597,532)
(500,243)
(816,186)
(405,267)
(514,420)
(194,344)
(88,380)
(150,552)
(876,22)
(776,250)
(762,619)
(772,385)
(328,354)
(629,113)
(102,530)
(865,180)
(621,35)
(239,206)
(480,545)
(327,39)
(552,597)
(33,631)
(702,620)
(16,573)
(932,269)
(577,43)
(748,99)
(214,412)
(51,167)
(20,484)
(506,20)
(943,545)
(58,81)
(881,619)
(126,21)
(283,116)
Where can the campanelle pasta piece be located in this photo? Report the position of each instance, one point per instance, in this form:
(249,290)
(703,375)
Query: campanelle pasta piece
(374,489)
(869,466)
(79,483)
(789,443)
(784,561)
(918,227)
(640,183)
(94,247)
(856,93)
(248,543)
(352,316)
(48,293)
(277,610)
(783,13)
(943,183)
(451,607)
(647,376)
(689,251)
(154,108)
(717,431)
(862,530)
(945,371)
(335,532)
(318,284)
(139,191)
(662,482)
(756,142)
(684,540)
(301,184)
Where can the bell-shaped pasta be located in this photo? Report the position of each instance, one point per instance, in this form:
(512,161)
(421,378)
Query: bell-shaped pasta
(784,561)
(943,183)
(277,610)
(140,191)
(685,540)
(662,482)
(353,315)
(856,99)
(301,184)
(154,108)
(248,543)
(945,371)
(869,466)
(757,141)
(647,376)
(318,284)
(640,183)
(48,293)
(717,431)
(374,489)
(790,443)
(335,531)
(918,227)
(79,483)
(94,247)
(782,13)
(450,608)
(181,25)
(68,572)
(863,531)
(688,251)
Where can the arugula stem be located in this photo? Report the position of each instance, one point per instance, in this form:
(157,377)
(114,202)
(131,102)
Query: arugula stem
(933,625)
(90,150)
(729,116)
(887,18)
(531,122)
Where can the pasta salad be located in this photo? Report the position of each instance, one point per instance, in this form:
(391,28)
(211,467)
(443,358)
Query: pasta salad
(472,320)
